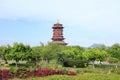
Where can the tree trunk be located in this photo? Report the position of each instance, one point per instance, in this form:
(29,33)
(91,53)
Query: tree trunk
(47,61)
(42,59)
(93,64)
(17,61)
(6,61)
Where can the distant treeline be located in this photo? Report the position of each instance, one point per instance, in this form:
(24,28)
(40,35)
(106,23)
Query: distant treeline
(20,51)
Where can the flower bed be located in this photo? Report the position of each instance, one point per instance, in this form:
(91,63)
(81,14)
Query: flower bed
(23,73)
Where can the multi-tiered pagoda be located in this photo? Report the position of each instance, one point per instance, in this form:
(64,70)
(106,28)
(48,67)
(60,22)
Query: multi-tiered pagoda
(58,34)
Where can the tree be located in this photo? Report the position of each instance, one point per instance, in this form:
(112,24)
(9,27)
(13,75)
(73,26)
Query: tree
(34,56)
(18,52)
(50,51)
(73,52)
(4,50)
(94,54)
(102,47)
(114,51)
(78,52)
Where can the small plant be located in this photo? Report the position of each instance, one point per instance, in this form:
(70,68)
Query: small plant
(31,69)
(13,70)
(71,72)
(65,70)
(22,75)
(6,65)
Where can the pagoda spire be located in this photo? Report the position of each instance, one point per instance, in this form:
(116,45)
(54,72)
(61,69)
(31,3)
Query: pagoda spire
(58,21)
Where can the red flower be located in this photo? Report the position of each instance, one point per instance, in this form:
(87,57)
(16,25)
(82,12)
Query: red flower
(71,72)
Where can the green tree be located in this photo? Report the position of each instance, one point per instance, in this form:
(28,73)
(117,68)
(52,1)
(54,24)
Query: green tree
(102,47)
(4,50)
(18,52)
(50,51)
(73,52)
(34,56)
(114,51)
(94,54)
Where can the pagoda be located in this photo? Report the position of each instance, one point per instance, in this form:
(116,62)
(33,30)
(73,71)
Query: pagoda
(58,34)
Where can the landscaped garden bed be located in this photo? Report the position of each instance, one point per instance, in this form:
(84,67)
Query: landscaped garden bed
(25,73)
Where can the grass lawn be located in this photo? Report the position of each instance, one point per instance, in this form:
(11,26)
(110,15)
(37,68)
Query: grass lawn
(84,76)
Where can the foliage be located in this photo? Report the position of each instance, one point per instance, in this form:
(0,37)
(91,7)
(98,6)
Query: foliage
(23,73)
(74,52)
(50,51)
(34,55)
(94,54)
(113,60)
(114,51)
(74,63)
(13,70)
(19,52)
(4,50)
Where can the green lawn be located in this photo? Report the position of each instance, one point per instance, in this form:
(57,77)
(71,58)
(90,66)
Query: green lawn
(84,76)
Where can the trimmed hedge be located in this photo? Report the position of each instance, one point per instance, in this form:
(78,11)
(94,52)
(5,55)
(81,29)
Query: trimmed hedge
(74,63)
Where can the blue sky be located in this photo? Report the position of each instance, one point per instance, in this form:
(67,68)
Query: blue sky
(85,21)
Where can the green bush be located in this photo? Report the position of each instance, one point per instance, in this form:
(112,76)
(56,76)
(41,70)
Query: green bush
(106,66)
(6,65)
(113,60)
(74,63)
(13,70)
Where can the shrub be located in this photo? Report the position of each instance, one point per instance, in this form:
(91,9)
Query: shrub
(13,70)
(4,74)
(113,60)
(74,63)
(6,65)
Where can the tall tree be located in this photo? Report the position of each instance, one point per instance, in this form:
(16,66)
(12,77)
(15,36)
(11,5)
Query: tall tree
(19,52)
(35,55)
(94,54)
(73,52)
(50,51)
(4,50)
(114,51)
